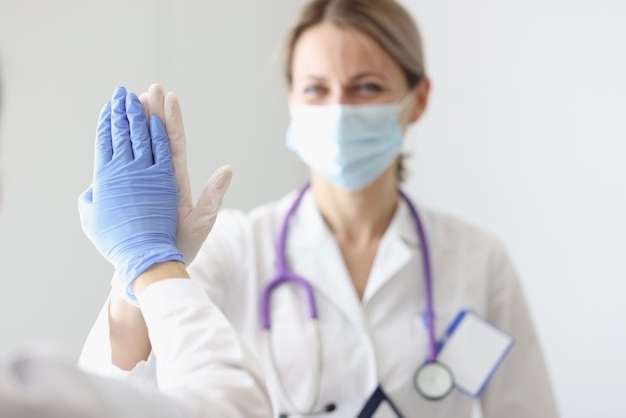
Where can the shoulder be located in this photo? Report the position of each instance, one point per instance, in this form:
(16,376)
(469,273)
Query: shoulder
(273,211)
(263,219)
(452,233)
(477,261)
(473,251)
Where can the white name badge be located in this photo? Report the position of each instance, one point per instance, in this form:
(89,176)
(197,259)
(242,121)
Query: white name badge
(473,349)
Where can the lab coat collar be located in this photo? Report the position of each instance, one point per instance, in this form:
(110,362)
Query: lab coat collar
(312,223)
(313,252)
(401,243)
(395,250)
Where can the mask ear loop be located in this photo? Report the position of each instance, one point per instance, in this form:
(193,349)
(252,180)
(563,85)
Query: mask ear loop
(402,106)
(406,100)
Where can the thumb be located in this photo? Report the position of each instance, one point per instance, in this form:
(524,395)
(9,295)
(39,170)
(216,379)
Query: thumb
(211,198)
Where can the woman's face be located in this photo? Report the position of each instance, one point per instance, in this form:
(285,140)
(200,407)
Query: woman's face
(335,65)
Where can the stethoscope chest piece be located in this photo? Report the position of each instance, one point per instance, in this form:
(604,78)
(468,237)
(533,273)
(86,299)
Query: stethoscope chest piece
(433,380)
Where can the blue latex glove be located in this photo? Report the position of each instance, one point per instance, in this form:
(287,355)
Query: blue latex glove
(130,211)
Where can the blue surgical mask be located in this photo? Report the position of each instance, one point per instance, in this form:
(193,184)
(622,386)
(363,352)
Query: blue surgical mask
(350,145)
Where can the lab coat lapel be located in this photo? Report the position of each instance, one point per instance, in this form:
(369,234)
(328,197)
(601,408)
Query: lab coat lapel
(313,253)
(395,250)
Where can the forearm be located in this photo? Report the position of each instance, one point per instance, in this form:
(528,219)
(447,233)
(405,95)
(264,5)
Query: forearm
(128,334)
(130,342)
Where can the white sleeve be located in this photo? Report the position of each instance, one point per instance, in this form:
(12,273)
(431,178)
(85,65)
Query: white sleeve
(203,370)
(200,360)
(521,386)
(196,355)
(36,385)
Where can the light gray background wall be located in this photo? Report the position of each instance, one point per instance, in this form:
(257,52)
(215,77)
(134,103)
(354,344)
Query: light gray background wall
(524,136)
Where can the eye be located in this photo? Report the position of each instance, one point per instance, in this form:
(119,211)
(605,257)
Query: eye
(369,88)
(314,90)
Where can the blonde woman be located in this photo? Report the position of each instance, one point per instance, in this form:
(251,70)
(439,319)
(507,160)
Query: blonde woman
(346,287)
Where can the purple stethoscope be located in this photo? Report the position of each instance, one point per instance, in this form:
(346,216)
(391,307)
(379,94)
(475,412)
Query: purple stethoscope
(433,380)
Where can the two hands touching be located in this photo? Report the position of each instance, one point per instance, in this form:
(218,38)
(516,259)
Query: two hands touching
(140,215)
(139,211)
(193,222)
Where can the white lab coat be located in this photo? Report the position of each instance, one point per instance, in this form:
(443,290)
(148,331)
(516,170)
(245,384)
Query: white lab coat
(381,338)
(204,370)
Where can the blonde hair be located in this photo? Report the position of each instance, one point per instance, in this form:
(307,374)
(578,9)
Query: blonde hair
(384,21)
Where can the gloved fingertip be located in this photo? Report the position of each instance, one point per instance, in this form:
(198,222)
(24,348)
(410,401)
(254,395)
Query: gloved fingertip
(133,105)
(216,188)
(154,88)
(171,107)
(171,98)
(105,113)
(120,92)
(85,197)
(132,99)
(118,102)
(225,174)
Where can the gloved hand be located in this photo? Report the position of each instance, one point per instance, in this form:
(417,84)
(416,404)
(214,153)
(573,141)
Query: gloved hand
(194,222)
(129,212)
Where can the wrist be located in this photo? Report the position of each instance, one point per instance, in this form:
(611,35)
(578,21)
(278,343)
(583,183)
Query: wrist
(134,262)
(157,272)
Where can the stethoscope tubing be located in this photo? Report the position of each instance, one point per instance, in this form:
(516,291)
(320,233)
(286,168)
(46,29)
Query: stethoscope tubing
(282,272)
(283,275)
(432,349)
(318,373)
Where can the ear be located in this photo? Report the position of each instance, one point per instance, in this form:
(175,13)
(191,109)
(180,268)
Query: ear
(421,98)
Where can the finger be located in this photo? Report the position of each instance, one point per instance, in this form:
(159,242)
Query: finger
(85,200)
(146,106)
(104,148)
(120,130)
(211,198)
(155,101)
(160,144)
(175,129)
(139,134)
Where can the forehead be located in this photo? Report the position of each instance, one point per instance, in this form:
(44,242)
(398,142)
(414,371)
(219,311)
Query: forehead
(330,51)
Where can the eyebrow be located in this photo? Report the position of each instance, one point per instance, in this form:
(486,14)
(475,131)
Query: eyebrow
(353,78)
(368,74)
